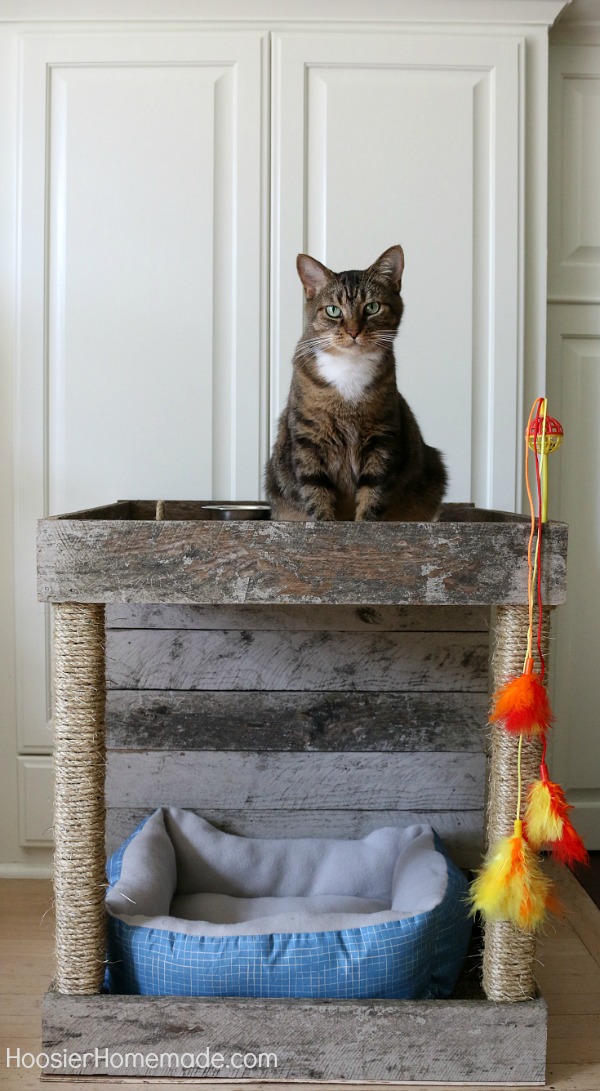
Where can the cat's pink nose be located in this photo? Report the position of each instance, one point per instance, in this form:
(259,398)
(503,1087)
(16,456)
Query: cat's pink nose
(354,334)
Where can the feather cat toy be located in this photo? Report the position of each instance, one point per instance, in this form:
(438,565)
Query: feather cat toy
(511,885)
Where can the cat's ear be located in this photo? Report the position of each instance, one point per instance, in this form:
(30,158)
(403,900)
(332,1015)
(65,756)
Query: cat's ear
(390,266)
(313,275)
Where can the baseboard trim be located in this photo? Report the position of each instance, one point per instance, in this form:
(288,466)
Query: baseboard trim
(586,816)
(25,871)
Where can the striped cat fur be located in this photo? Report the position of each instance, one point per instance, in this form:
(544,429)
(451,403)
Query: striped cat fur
(348,445)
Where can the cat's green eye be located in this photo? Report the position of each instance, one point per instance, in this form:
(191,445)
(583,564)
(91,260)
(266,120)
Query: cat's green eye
(372,308)
(333,311)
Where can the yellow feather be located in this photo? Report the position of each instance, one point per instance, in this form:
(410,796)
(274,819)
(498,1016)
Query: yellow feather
(543,824)
(511,885)
(488,889)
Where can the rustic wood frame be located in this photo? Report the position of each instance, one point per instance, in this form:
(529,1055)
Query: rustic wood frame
(120,554)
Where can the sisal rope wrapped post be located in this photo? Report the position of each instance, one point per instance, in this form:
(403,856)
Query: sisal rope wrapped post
(79,765)
(509,951)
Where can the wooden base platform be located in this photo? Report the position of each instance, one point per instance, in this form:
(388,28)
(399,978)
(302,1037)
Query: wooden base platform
(460,1040)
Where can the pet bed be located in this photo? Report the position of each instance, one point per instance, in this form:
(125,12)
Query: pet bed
(193,911)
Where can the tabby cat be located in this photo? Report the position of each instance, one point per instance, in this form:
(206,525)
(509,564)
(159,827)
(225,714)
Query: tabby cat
(348,445)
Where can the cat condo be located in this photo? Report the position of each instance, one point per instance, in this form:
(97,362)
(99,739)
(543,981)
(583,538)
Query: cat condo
(288,680)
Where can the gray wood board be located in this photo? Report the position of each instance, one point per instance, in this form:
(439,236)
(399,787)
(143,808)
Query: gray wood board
(235,779)
(463,511)
(326,618)
(268,562)
(461,831)
(467,1041)
(258,720)
(119,509)
(195,509)
(184,659)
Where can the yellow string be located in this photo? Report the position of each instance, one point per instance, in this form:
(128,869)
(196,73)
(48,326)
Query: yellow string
(519,777)
(533,582)
(544,467)
(532,565)
(534,411)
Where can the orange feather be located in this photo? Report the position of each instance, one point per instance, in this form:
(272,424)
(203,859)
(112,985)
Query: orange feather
(522,705)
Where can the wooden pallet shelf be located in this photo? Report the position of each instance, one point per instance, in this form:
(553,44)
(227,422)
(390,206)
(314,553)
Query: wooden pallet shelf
(289,679)
(120,554)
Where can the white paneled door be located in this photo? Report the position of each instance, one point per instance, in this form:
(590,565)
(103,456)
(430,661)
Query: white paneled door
(142,285)
(412,139)
(574,373)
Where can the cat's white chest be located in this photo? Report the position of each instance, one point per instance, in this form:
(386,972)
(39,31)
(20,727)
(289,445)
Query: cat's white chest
(350,375)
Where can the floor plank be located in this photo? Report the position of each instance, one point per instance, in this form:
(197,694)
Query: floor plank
(569,976)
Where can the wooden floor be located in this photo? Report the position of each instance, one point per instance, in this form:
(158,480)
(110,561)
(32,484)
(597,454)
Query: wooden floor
(569,977)
(589,877)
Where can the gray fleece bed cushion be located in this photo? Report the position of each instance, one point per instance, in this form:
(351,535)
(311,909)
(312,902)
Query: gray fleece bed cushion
(193,911)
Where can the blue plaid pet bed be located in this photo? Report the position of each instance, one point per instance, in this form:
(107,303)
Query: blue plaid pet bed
(193,911)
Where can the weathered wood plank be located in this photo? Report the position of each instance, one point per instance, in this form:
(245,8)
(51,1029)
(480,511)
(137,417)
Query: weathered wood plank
(378,1040)
(195,509)
(119,509)
(444,563)
(322,618)
(179,720)
(461,831)
(209,779)
(271,660)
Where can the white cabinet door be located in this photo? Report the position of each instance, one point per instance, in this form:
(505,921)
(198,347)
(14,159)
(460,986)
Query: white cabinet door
(397,137)
(574,389)
(141,283)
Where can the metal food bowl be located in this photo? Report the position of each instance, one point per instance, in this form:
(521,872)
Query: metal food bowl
(235,510)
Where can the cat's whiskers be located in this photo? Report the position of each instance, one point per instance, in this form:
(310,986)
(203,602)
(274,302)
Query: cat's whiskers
(311,345)
(317,337)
